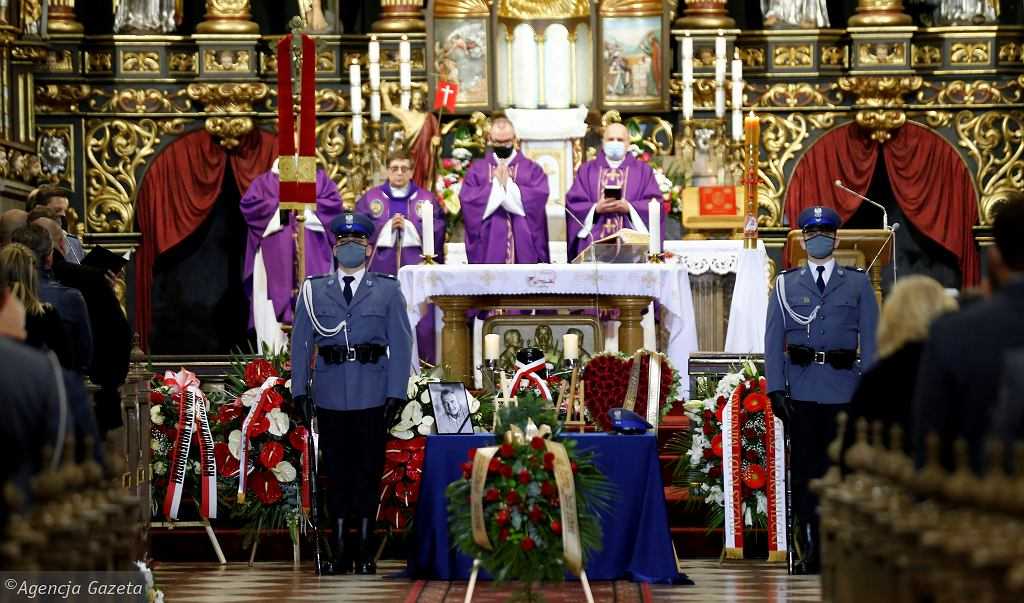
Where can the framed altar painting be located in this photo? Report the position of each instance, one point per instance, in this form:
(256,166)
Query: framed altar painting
(632,72)
(544,332)
(461,54)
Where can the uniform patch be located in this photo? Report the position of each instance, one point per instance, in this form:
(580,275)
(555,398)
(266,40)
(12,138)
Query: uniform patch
(377,208)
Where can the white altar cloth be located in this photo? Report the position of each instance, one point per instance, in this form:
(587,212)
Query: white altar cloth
(669,284)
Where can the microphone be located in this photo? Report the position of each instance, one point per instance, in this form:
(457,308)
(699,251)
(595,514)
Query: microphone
(885,214)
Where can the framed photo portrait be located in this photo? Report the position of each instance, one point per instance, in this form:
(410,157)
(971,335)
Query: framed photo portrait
(451,407)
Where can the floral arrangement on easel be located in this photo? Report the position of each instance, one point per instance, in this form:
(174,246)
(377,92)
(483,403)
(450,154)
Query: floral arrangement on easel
(513,509)
(613,379)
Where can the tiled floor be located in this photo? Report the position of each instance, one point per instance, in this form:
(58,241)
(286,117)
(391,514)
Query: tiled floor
(739,581)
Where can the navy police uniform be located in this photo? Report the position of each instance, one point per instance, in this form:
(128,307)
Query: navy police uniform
(353,358)
(819,338)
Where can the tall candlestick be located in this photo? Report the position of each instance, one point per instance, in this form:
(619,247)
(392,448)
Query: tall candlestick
(654,228)
(752,125)
(492,343)
(720,45)
(737,68)
(404,50)
(356,99)
(720,71)
(737,124)
(375,106)
(353,74)
(737,94)
(570,346)
(374,76)
(688,71)
(357,129)
(687,102)
(374,50)
(427,219)
(720,101)
(687,47)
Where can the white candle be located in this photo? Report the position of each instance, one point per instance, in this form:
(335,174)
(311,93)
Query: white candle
(737,68)
(406,101)
(687,71)
(427,218)
(356,99)
(687,47)
(375,106)
(719,102)
(720,71)
(404,51)
(737,124)
(492,342)
(654,218)
(687,102)
(353,74)
(405,75)
(357,129)
(374,50)
(720,45)
(570,346)
(375,76)
(737,94)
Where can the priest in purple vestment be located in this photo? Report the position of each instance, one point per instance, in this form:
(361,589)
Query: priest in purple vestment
(394,207)
(503,201)
(269,277)
(609,193)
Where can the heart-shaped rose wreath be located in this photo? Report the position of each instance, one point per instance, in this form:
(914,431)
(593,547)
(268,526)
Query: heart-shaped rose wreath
(606,381)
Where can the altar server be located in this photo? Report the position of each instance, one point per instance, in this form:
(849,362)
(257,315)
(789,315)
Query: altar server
(820,336)
(503,201)
(611,192)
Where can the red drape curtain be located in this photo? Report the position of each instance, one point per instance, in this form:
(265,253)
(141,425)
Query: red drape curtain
(930,181)
(178,192)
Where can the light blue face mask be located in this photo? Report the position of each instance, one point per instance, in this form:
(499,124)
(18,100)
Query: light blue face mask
(350,255)
(820,246)
(615,150)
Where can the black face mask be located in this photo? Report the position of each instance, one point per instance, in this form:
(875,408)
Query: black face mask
(503,152)
(64,223)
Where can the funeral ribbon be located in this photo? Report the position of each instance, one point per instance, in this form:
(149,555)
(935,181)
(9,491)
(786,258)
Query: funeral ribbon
(732,479)
(184,387)
(654,368)
(297,177)
(775,450)
(530,373)
(256,412)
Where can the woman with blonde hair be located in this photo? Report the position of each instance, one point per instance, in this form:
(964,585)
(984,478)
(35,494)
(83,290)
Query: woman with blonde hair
(886,390)
(42,322)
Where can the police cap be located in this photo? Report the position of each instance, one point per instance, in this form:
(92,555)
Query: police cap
(627,421)
(818,218)
(352,224)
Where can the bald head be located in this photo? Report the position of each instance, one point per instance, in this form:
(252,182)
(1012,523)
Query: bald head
(502,132)
(616,132)
(11,220)
(54,230)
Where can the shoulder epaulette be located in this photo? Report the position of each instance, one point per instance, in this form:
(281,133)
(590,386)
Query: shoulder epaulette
(854,268)
(317,276)
(385,275)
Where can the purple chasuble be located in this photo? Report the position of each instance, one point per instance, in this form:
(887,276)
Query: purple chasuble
(379,205)
(504,238)
(639,187)
(258,205)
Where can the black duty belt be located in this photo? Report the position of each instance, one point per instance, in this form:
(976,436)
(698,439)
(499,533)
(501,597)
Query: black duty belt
(363,353)
(802,355)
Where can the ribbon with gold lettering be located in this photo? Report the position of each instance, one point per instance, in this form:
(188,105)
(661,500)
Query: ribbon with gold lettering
(297,167)
(572,547)
(732,480)
(775,451)
(184,387)
(481,461)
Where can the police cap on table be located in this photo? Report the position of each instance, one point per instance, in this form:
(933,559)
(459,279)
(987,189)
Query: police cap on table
(818,218)
(352,224)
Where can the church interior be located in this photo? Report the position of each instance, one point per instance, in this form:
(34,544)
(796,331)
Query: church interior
(599,221)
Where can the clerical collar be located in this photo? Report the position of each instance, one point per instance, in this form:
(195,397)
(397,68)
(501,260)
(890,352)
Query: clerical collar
(614,164)
(399,193)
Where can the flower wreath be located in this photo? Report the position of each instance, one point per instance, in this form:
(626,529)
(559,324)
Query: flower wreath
(606,382)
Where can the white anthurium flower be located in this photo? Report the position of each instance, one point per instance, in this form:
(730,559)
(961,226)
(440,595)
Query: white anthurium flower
(251,396)
(284,472)
(474,405)
(235,442)
(762,502)
(427,420)
(425,428)
(410,417)
(288,384)
(403,435)
(279,422)
(156,417)
(664,184)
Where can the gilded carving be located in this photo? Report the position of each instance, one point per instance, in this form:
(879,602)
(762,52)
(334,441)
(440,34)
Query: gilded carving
(115,150)
(543,9)
(923,56)
(961,92)
(938,119)
(54,98)
(332,146)
(792,56)
(1011,52)
(140,62)
(54,146)
(223,100)
(140,100)
(833,55)
(752,57)
(100,61)
(781,138)
(882,54)
(29,53)
(993,141)
(59,61)
(880,101)
(20,166)
(329,100)
(969,53)
(182,62)
(388,59)
(325,61)
(462,8)
(631,8)
(226,61)
(795,95)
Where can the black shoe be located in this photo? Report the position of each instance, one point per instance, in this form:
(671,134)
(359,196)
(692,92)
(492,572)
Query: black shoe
(365,563)
(326,568)
(342,553)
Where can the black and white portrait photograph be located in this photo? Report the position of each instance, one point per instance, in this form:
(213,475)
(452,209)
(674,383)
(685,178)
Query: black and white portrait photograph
(451,407)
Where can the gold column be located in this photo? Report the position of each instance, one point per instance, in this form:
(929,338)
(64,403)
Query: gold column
(631,332)
(872,13)
(539,38)
(61,17)
(456,344)
(227,17)
(705,14)
(400,16)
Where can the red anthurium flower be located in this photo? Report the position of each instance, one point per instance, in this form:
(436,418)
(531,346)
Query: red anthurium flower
(229,412)
(259,426)
(556,527)
(755,477)
(716,445)
(527,544)
(524,477)
(227,465)
(297,437)
(271,454)
(271,399)
(264,485)
(257,371)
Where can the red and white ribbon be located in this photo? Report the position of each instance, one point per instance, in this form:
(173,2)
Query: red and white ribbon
(775,450)
(732,479)
(530,372)
(255,412)
(184,387)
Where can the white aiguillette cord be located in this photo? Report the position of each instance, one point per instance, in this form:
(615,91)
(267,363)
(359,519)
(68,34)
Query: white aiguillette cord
(307,299)
(800,319)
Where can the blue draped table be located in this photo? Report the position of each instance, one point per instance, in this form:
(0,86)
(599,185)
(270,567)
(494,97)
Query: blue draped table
(637,542)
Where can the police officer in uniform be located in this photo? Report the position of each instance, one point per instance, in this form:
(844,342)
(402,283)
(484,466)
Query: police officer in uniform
(351,357)
(819,338)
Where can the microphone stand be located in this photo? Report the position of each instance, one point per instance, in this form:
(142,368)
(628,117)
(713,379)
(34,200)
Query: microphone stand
(885,214)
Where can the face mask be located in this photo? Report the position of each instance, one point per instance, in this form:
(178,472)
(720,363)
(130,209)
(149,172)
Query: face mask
(503,152)
(350,255)
(615,150)
(820,246)
(64,223)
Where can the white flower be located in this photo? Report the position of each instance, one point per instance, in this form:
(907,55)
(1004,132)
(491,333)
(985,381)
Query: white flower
(664,184)
(762,502)
(288,384)
(425,428)
(159,467)
(427,420)
(284,472)
(747,518)
(410,389)
(147,575)
(715,496)
(196,467)
(279,422)
(411,416)
(462,154)
(694,406)
(154,445)
(474,404)
(403,435)
(155,416)
(635,150)
(158,596)
(251,396)
(235,442)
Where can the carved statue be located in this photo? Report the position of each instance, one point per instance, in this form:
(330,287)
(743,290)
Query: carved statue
(794,13)
(513,340)
(966,12)
(145,16)
(420,132)
(544,340)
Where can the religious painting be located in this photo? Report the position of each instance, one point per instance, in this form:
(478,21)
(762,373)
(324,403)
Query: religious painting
(632,61)
(460,56)
(545,333)
(451,407)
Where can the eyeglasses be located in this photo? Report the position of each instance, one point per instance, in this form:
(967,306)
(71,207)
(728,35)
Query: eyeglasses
(399,168)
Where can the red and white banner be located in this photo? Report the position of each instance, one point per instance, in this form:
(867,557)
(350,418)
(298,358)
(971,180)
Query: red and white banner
(732,480)
(445,96)
(530,373)
(191,401)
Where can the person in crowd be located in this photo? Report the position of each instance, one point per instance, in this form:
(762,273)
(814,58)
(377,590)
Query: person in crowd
(886,390)
(57,200)
(43,325)
(963,362)
(11,220)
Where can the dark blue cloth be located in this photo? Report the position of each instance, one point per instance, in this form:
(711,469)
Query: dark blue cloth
(637,542)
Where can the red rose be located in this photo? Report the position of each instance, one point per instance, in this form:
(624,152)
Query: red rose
(297,437)
(549,461)
(535,514)
(495,465)
(271,399)
(264,485)
(506,471)
(537,443)
(755,477)
(227,465)
(513,498)
(271,454)
(527,544)
(524,477)
(755,402)
(258,371)
(156,397)
(556,527)
(467,469)
(492,495)
(716,445)
(501,517)
(258,426)
(548,489)
(573,466)
(503,534)
(506,451)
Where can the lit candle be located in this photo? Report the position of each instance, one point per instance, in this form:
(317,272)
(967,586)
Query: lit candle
(404,51)
(427,219)
(720,46)
(492,342)
(737,125)
(654,218)
(570,346)
(374,50)
(752,125)
(353,74)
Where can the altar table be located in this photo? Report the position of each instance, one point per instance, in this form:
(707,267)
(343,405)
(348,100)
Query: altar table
(637,542)
(629,288)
